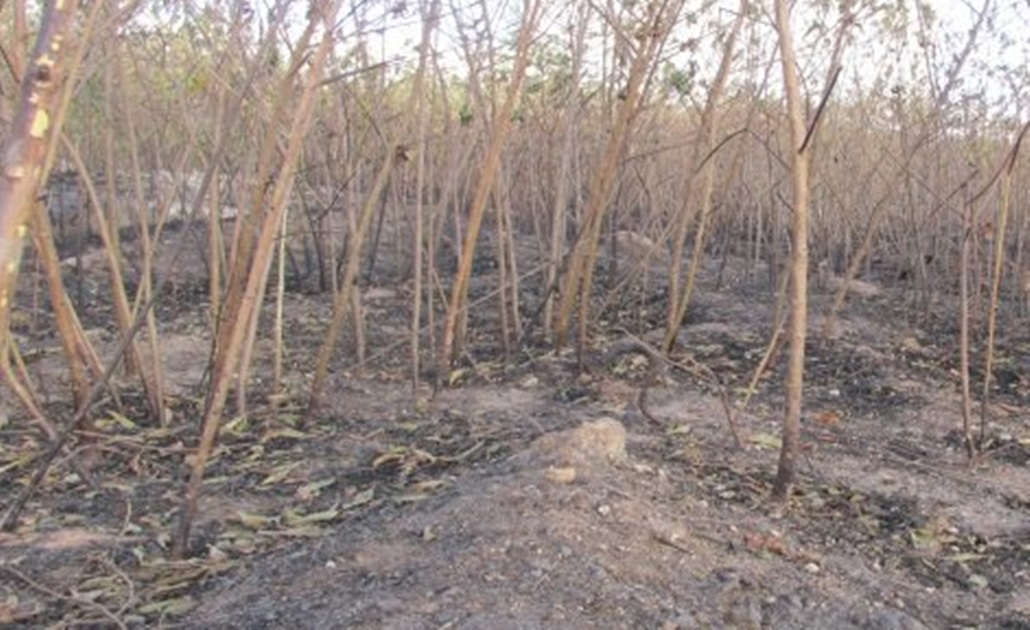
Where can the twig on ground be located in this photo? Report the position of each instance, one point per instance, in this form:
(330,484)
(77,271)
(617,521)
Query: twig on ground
(78,601)
(657,360)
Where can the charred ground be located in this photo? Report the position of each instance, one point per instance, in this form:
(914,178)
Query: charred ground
(533,491)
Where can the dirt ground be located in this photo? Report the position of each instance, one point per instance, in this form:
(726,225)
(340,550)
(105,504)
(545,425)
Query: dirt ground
(531,494)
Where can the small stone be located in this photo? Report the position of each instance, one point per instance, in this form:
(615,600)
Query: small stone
(812,568)
(604,510)
(911,344)
(563,475)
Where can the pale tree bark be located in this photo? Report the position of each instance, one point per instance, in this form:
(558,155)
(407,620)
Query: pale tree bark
(531,12)
(216,239)
(250,341)
(964,378)
(152,377)
(20,34)
(678,302)
(569,121)
(999,266)
(23,154)
(430,18)
(248,223)
(649,38)
(234,326)
(903,172)
(79,354)
(799,259)
(457,160)
(122,309)
(347,296)
(109,218)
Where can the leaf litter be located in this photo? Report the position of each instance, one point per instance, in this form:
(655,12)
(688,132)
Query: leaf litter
(487,507)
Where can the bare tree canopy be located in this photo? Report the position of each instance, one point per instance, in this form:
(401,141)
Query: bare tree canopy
(493,314)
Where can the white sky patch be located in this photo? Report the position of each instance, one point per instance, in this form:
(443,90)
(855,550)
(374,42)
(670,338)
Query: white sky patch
(995,75)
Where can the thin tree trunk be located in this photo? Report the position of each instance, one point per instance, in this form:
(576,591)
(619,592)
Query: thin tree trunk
(280,294)
(216,241)
(247,355)
(24,153)
(344,297)
(967,396)
(996,273)
(709,126)
(123,312)
(799,261)
(492,162)
(79,353)
(109,220)
(152,375)
(570,117)
(431,16)
(578,282)
(233,326)
(512,264)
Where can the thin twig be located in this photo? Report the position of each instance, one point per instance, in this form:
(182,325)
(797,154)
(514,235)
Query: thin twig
(101,384)
(656,359)
(85,603)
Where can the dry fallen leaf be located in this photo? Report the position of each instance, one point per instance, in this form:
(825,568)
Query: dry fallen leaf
(311,490)
(359,499)
(766,440)
(827,418)
(279,474)
(760,541)
(169,607)
(254,521)
(292,518)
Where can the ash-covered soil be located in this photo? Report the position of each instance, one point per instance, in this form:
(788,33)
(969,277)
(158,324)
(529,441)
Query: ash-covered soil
(532,493)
